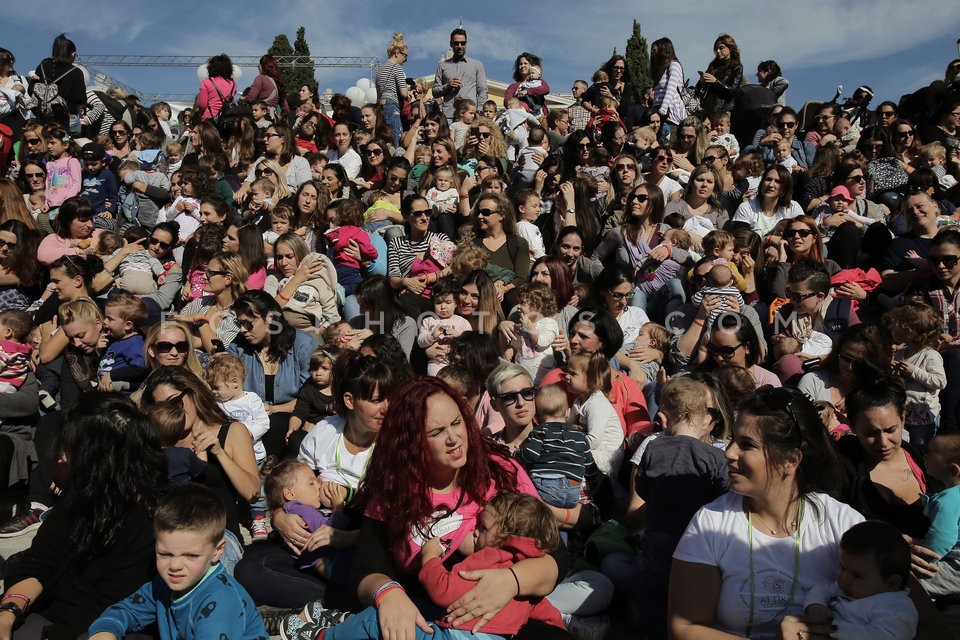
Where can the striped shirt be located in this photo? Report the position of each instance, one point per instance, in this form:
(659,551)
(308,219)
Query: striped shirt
(556,447)
(402,253)
(666,94)
(390,80)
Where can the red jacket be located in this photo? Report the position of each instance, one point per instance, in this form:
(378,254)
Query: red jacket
(445,587)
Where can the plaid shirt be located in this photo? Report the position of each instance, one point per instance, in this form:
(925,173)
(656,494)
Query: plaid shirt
(945,303)
(579,117)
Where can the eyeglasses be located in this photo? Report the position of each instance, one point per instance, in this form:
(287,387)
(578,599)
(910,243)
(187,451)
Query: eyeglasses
(487,212)
(209,273)
(797,298)
(509,398)
(272,135)
(374,152)
(786,125)
(422,213)
(4,244)
(32,141)
(245,325)
(780,399)
(34,176)
(160,243)
(482,167)
(857,178)
(619,68)
(803,233)
(394,178)
(822,117)
(617,296)
(948,261)
(724,353)
(167,347)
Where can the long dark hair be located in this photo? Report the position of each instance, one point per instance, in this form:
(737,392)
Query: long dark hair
(789,422)
(115,464)
(63,49)
(259,303)
(251,247)
(23,261)
(270,69)
(532,59)
(560,279)
(381,313)
(661,55)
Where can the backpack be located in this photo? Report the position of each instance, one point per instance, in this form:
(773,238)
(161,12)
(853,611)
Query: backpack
(47,93)
(228,110)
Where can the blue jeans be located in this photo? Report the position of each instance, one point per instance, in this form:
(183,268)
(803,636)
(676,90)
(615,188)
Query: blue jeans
(391,113)
(661,304)
(232,552)
(555,490)
(922,434)
(366,625)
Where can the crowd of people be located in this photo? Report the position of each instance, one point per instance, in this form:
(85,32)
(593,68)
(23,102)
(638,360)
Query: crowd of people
(680,361)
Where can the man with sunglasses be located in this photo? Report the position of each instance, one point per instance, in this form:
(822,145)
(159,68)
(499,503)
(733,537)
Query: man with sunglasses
(786,125)
(459,75)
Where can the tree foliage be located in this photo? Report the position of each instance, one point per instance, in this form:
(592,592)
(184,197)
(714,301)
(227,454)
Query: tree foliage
(638,62)
(294,77)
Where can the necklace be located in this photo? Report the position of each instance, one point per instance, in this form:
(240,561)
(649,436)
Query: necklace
(773,531)
(796,567)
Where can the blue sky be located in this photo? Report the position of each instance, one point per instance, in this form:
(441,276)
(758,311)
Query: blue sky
(895,47)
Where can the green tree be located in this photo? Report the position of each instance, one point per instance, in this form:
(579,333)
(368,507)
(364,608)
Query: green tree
(638,62)
(281,48)
(301,75)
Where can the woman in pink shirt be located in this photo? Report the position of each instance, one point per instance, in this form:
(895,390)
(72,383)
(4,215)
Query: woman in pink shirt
(219,82)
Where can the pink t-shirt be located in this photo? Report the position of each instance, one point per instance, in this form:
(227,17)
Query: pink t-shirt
(762,376)
(257,278)
(452,521)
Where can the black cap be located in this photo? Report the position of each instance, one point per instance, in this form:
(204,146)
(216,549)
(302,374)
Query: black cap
(93,151)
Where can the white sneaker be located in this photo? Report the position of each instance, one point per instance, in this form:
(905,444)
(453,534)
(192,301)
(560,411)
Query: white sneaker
(258,529)
(587,627)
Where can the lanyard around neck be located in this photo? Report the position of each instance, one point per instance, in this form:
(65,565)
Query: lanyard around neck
(363,472)
(796,566)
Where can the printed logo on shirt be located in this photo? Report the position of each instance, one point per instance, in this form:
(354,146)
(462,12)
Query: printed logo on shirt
(441,524)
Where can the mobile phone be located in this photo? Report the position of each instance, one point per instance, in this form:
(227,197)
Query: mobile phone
(812,363)
(475,132)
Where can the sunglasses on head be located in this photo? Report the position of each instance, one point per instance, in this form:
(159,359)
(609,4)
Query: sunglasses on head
(803,233)
(166,347)
(723,352)
(779,399)
(160,243)
(509,398)
(948,261)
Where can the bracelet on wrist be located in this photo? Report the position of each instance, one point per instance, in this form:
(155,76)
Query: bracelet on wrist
(515,578)
(384,589)
(283,297)
(699,323)
(17,612)
(17,596)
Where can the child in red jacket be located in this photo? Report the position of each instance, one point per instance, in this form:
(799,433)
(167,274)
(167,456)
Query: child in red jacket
(345,217)
(511,527)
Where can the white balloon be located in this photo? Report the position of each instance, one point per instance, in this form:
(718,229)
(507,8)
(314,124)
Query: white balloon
(355,95)
(370,94)
(202,73)
(364,83)
(237,73)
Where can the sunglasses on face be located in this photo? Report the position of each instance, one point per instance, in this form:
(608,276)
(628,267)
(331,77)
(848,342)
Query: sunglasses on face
(160,243)
(34,176)
(4,244)
(584,145)
(798,298)
(786,125)
(32,141)
(167,347)
(120,132)
(617,296)
(709,159)
(664,159)
(822,117)
(483,135)
(422,213)
(687,136)
(904,134)
(245,325)
(803,233)
(723,352)
(625,167)
(886,114)
(487,212)
(374,152)
(510,398)
(857,178)
(272,135)
(209,273)
(639,198)
(947,261)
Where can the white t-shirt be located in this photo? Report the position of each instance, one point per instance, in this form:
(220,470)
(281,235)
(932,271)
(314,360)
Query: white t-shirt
(529,232)
(249,410)
(604,431)
(751,213)
(325,451)
(719,536)
(669,186)
(350,161)
(631,322)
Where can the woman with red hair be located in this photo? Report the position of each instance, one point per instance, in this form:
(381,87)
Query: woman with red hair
(430,476)
(268,87)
